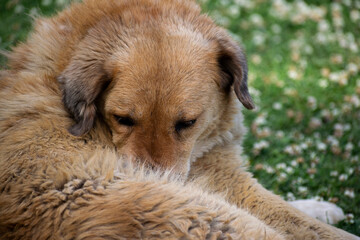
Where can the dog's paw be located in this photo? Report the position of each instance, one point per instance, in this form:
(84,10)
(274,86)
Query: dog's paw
(324,211)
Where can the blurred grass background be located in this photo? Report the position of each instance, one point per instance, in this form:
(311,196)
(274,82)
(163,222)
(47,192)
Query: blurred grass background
(304,73)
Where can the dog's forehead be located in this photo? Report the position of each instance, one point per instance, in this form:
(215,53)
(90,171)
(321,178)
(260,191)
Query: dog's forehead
(175,64)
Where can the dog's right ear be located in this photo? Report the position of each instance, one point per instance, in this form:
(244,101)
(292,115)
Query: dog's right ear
(81,82)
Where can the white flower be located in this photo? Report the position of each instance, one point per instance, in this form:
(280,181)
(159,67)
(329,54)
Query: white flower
(260,120)
(259,146)
(276,28)
(349,218)
(350,193)
(303,189)
(323,83)
(349,147)
(290,196)
(354,15)
(321,146)
(332,141)
(293,74)
(315,123)
(352,68)
(279,134)
(19,8)
(334,173)
(289,170)
(311,102)
(257,19)
(256,59)
(282,176)
(46,2)
(234,10)
(280,166)
(258,38)
(269,169)
(323,26)
(294,163)
(277,106)
(343,177)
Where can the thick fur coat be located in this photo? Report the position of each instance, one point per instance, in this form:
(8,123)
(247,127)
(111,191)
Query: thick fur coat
(121,119)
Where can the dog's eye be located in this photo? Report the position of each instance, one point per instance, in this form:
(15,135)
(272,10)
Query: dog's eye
(181,125)
(126,121)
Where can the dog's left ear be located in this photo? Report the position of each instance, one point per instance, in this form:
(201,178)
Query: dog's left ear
(232,62)
(81,82)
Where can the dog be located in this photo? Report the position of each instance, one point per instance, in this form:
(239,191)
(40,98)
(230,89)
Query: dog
(122,119)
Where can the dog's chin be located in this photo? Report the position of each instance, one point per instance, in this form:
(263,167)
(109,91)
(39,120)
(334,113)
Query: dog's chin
(178,172)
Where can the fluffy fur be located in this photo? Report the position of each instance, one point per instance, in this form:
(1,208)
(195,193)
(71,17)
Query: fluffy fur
(157,82)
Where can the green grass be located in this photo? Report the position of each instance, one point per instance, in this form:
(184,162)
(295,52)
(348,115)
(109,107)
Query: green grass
(294,79)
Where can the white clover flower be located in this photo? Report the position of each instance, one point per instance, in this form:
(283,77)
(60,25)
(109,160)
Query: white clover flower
(234,10)
(282,177)
(19,8)
(276,28)
(315,123)
(349,147)
(311,102)
(354,15)
(321,146)
(335,112)
(291,91)
(289,170)
(258,38)
(260,120)
(303,146)
(349,193)
(334,173)
(337,58)
(293,74)
(302,189)
(61,2)
(257,19)
(279,134)
(323,83)
(269,169)
(338,22)
(353,47)
(343,177)
(323,26)
(318,198)
(245,3)
(46,2)
(224,2)
(352,68)
(280,166)
(256,59)
(332,141)
(261,145)
(349,218)
(254,92)
(321,38)
(277,106)
(290,196)
(294,163)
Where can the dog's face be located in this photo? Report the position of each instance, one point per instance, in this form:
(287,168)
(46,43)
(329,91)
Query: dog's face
(159,89)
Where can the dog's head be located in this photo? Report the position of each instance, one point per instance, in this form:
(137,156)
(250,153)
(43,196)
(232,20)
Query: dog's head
(160,85)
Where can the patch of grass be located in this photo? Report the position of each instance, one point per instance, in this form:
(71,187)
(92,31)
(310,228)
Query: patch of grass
(304,64)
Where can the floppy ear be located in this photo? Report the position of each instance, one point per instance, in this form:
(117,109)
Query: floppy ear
(82,81)
(233,65)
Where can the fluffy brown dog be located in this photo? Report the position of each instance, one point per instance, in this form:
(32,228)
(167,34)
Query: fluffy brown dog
(147,80)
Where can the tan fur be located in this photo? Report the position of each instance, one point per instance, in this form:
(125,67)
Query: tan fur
(158,63)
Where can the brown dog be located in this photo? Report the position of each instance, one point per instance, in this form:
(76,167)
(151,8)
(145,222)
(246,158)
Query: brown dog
(149,80)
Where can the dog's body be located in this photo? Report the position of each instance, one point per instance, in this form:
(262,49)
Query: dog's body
(146,80)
